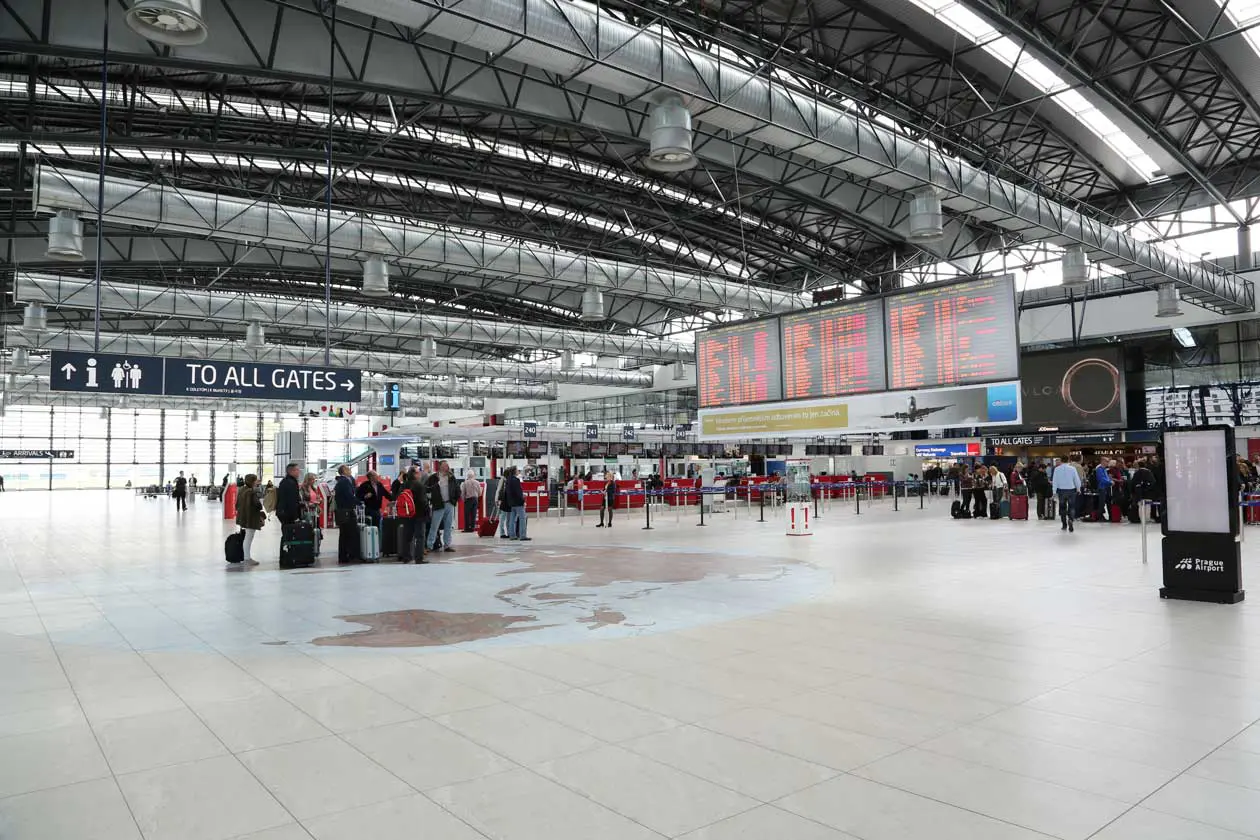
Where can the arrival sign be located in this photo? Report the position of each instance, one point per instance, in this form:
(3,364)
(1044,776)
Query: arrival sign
(115,374)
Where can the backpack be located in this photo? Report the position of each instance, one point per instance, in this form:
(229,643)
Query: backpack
(405,505)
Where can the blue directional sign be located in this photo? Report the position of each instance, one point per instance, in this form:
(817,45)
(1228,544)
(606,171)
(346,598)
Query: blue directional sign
(111,373)
(256,381)
(592,431)
(106,373)
(530,429)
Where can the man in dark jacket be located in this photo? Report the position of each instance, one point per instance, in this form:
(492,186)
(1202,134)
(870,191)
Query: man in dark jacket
(347,520)
(422,514)
(514,498)
(289,496)
(443,497)
(372,494)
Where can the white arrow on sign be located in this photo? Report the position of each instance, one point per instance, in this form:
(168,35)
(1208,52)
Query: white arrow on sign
(348,385)
(68,369)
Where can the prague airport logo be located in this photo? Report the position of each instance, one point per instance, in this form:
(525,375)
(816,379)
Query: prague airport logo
(1198,564)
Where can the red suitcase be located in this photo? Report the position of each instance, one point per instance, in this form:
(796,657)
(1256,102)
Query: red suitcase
(1019,507)
(1114,513)
(488,527)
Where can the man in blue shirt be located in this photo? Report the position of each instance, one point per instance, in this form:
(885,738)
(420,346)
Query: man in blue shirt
(1103,479)
(1066,482)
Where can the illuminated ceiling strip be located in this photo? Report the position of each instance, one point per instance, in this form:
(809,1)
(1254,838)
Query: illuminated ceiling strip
(971,26)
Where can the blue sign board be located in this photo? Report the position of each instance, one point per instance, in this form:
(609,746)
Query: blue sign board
(393,396)
(945,450)
(530,428)
(108,373)
(627,432)
(682,432)
(592,431)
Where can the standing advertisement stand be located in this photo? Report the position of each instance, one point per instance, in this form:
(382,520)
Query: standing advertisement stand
(798,520)
(1201,549)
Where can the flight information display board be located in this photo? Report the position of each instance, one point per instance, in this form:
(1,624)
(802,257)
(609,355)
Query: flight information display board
(834,351)
(952,335)
(739,364)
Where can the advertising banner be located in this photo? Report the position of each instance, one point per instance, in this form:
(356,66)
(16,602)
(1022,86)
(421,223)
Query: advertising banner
(940,408)
(1073,389)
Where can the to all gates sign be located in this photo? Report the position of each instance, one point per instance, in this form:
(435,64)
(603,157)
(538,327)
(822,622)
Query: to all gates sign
(110,373)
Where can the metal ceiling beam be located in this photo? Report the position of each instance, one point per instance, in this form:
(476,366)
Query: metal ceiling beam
(356,235)
(309,315)
(156,343)
(582,46)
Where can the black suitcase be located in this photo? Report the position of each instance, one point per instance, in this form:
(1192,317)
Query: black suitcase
(389,536)
(297,545)
(955,509)
(234,547)
(995,510)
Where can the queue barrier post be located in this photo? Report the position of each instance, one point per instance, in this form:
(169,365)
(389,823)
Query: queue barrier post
(762,501)
(701,523)
(857,497)
(647,510)
(895,508)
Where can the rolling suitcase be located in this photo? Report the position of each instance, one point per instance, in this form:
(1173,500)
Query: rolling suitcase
(1004,509)
(389,536)
(488,527)
(234,547)
(955,509)
(1019,507)
(995,510)
(1052,508)
(369,543)
(297,545)
(1114,513)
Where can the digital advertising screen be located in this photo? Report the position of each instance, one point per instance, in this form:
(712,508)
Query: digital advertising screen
(1074,389)
(956,334)
(834,351)
(1197,482)
(739,364)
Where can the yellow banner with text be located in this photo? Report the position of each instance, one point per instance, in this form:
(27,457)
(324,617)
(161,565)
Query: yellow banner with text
(774,420)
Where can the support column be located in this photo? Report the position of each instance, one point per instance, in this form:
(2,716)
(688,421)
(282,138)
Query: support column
(1245,255)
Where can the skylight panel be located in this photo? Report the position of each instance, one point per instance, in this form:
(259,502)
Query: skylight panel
(971,26)
(1244,13)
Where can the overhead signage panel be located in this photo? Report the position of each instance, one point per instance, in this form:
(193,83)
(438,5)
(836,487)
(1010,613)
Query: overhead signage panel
(107,373)
(36,454)
(257,381)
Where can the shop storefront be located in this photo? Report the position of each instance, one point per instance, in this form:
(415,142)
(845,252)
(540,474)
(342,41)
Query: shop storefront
(1126,445)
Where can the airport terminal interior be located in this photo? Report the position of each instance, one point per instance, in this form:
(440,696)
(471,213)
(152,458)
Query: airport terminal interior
(628,419)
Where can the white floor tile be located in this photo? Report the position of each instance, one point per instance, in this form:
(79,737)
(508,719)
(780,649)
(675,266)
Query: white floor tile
(50,758)
(650,793)
(156,740)
(214,799)
(876,812)
(1207,801)
(739,765)
(398,819)
(521,805)
(292,831)
(430,693)
(864,716)
(111,700)
(667,698)
(805,739)
(522,736)
(342,708)
(495,678)
(426,754)
(1232,766)
(85,810)
(765,823)
(1144,824)
(324,776)
(265,721)
(1020,800)
(596,715)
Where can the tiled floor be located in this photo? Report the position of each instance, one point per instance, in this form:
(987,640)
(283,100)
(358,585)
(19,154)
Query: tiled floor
(896,676)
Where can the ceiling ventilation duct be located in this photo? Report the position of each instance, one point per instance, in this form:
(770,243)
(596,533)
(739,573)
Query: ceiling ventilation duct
(21,358)
(927,221)
(1168,304)
(592,305)
(65,237)
(177,23)
(375,277)
(680,371)
(669,124)
(35,317)
(566,360)
(428,349)
(104,415)
(255,337)
(10,382)
(1075,268)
